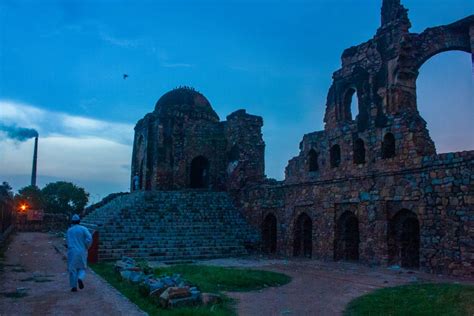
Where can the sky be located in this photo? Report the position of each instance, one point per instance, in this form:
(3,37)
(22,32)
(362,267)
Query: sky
(61,67)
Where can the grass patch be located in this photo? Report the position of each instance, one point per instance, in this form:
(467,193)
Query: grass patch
(217,279)
(207,279)
(131,291)
(417,299)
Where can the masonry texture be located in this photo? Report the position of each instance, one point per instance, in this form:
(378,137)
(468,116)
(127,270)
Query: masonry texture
(369,187)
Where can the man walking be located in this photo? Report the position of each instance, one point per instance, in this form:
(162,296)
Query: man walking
(78,241)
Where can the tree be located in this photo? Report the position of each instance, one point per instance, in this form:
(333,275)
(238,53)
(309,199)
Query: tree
(64,197)
(31,196)
(6,193)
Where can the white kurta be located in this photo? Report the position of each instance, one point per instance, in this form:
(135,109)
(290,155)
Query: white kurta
(78,241)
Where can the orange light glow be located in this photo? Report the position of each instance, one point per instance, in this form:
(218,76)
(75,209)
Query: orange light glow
(23,207)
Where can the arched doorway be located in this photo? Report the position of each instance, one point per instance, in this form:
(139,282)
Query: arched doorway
(199,176)
(346,244)
(404,239)
(303,236)
(269,234)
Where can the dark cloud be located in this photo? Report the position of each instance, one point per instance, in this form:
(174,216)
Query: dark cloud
(18,133)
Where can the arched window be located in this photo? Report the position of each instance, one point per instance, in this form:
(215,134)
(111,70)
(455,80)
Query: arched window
(303,236)
(269,234)
(404,239)
(313,161)
(199,177)
(359,151)
(335,156)
(388,146)
(351,104)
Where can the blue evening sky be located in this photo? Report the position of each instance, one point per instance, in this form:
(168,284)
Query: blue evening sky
(61,66)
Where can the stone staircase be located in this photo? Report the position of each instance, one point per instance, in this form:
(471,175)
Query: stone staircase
(171,225)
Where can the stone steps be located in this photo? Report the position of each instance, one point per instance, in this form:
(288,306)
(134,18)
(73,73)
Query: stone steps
(170,226)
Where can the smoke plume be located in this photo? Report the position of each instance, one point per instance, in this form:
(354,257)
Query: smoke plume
(18,133)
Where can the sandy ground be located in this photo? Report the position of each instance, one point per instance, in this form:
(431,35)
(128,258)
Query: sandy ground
(31,257)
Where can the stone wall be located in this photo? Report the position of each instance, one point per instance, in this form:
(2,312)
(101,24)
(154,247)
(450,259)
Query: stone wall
(245,148)
(51,222)
(439,191)
(371,183)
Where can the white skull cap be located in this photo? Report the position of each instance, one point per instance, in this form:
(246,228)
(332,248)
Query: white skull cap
(76,218)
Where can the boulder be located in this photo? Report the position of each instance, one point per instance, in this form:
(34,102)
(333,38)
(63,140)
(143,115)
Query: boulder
(178,292)
(164,298)
(126,263)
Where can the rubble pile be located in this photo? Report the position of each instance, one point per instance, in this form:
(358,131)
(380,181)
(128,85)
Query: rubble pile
(168,291)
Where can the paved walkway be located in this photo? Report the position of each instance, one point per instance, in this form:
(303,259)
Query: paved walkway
(33,263)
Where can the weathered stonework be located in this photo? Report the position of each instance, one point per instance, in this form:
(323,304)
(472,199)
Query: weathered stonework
(372,185)
(368,188)
(183,144)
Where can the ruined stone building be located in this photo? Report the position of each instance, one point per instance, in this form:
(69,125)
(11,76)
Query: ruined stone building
(369,187)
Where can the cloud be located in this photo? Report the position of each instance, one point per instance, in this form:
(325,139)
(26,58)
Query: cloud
(57,123)
(73,148)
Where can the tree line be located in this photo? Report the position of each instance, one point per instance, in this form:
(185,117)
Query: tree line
(57,197)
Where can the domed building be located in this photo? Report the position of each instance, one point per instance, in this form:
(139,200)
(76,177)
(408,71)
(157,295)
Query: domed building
(183,144)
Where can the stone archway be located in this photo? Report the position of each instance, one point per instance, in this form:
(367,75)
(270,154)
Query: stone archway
(199,175)
(404,239)
(303,236)
(346,244)
(269,234)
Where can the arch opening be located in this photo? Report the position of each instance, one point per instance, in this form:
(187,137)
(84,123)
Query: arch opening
(444,91)
(346,244)
(351,104)
(303,237)
(199,175)
(388,146)
(233,157)
(404,239)
(313,165)
(269,234)
(335,156)
(359,151)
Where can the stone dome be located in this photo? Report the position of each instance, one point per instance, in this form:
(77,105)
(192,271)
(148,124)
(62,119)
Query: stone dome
(185,100)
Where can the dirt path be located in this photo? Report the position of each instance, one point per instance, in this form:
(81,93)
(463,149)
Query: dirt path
(32,263)
(317,287)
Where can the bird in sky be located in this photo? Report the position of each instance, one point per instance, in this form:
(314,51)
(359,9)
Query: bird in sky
(125,76)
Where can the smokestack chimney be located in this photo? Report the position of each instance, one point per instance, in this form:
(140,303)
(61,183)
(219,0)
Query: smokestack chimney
(35,160)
